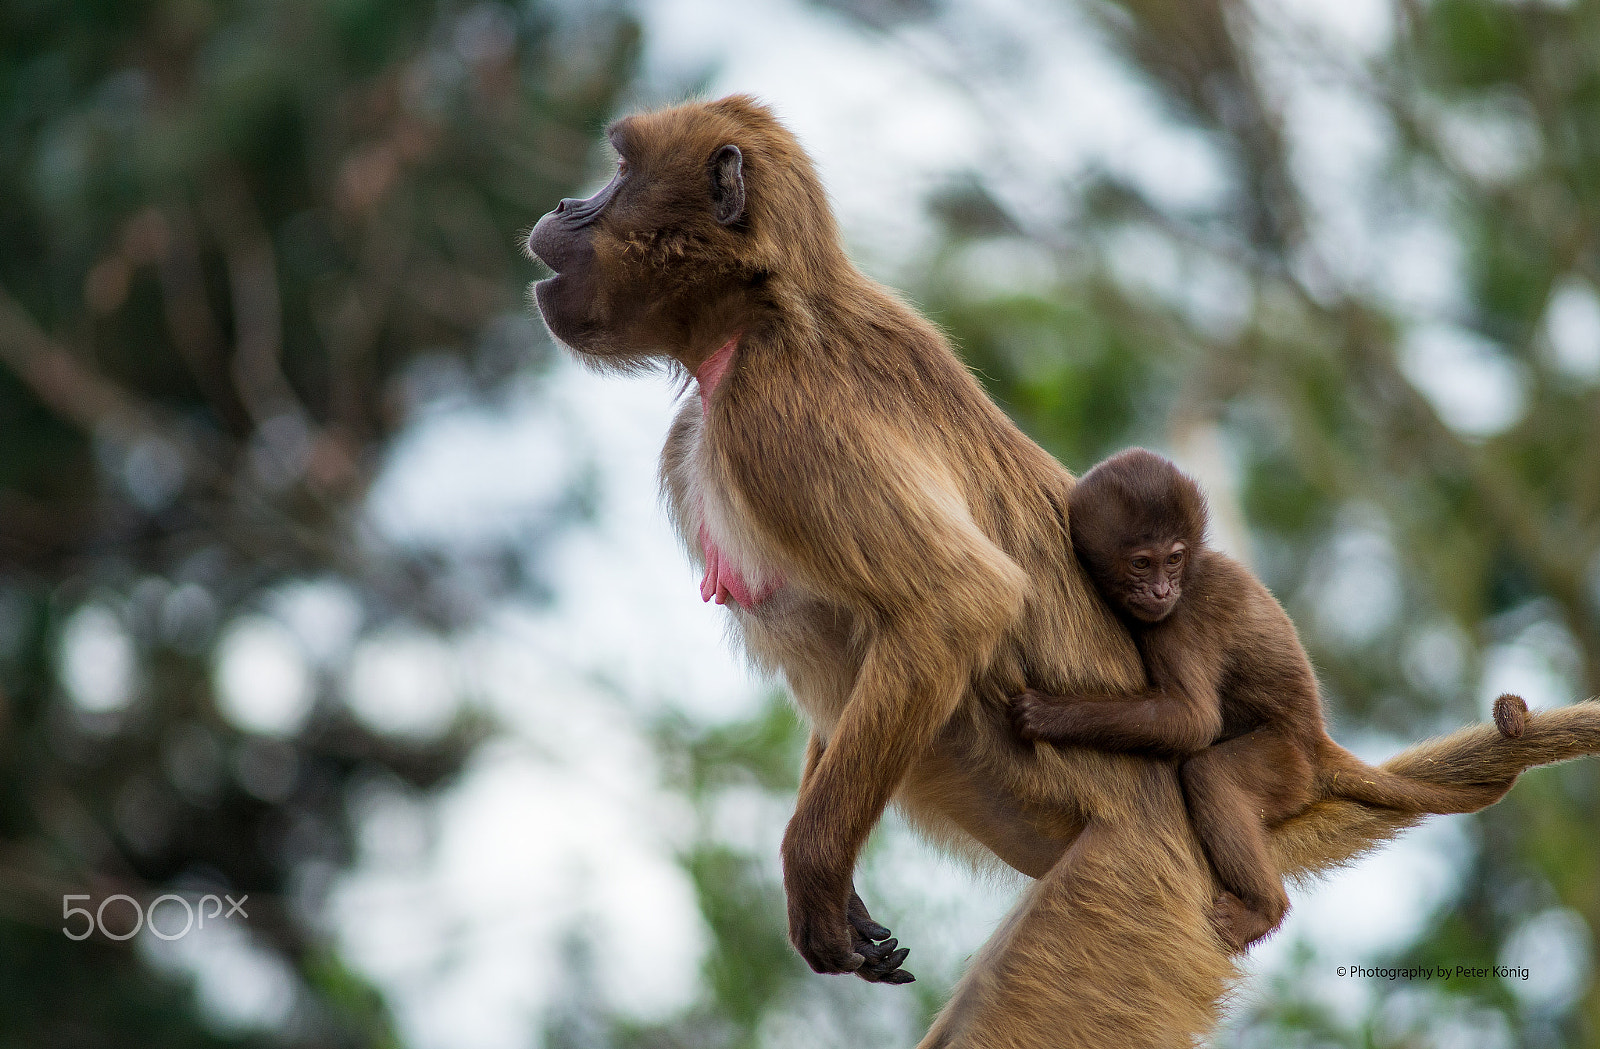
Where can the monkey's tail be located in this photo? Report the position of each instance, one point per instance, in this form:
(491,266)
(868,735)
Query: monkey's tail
(1470,769)
(1339,828)
(1346,777)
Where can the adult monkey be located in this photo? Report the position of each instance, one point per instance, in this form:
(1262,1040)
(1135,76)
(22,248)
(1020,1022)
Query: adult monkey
(898,550)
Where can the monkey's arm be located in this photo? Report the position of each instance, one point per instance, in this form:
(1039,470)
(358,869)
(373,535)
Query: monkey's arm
(873,524)
(1176,715)
(1179,714)
(901,699)
(1168,723)
(872,941)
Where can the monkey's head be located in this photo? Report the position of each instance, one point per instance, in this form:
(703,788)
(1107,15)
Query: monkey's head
(712,207)
(1137,524)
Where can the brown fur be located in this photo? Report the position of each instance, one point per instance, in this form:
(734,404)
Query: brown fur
(1230,688)
(920,541)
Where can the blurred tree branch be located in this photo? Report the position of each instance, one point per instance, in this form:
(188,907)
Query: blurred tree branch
(63,381)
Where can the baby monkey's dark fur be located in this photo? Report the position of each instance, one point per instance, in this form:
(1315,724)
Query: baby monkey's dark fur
(1230,688)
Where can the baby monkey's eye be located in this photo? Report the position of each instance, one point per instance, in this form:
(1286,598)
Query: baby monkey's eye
(1141,563)
(1175,558)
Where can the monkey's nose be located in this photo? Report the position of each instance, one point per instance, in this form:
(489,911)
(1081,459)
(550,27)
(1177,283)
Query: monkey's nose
(564,204)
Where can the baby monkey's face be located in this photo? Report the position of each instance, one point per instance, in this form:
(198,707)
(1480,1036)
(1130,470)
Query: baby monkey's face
(1152,579)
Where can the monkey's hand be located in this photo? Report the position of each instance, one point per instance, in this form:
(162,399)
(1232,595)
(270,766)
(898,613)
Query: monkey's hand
(819,925)
(883,959)
(1039,717)
(839,937)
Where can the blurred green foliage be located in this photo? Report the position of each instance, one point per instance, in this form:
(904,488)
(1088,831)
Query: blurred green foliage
(236,239)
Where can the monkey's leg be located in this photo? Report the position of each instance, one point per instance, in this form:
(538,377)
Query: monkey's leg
(1234,790)
(1111,947)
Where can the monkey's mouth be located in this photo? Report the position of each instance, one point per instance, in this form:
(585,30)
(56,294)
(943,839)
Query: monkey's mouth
(533,254)
(543,289)
(545,296)
(543,286)
(1149,609)
(555,244)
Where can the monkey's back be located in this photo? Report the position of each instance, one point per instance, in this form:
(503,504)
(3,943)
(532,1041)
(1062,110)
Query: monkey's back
(1265,675)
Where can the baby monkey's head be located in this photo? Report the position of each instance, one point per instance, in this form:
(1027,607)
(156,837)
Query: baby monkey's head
(1137,524)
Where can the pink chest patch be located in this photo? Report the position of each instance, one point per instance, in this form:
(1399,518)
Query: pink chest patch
(723,579)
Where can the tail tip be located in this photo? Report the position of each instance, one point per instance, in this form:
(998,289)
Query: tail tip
(1511,715)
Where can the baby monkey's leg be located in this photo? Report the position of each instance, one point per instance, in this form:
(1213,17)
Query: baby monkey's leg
(1235,790)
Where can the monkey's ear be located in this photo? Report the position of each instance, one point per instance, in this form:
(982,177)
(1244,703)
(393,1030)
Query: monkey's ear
(727,184)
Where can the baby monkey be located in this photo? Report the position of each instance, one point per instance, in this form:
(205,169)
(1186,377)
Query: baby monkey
(1230,690)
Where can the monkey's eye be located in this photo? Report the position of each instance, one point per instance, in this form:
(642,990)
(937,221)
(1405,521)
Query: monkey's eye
(1176,558)
(1140,563)
(622,167)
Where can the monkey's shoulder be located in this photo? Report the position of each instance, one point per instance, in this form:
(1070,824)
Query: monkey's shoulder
(1228,606)
(1218,587)
(1263,670)
(855,492)
(793,422)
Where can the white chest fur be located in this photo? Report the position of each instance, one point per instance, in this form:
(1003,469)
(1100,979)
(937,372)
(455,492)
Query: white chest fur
(713,527)
(792,632)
